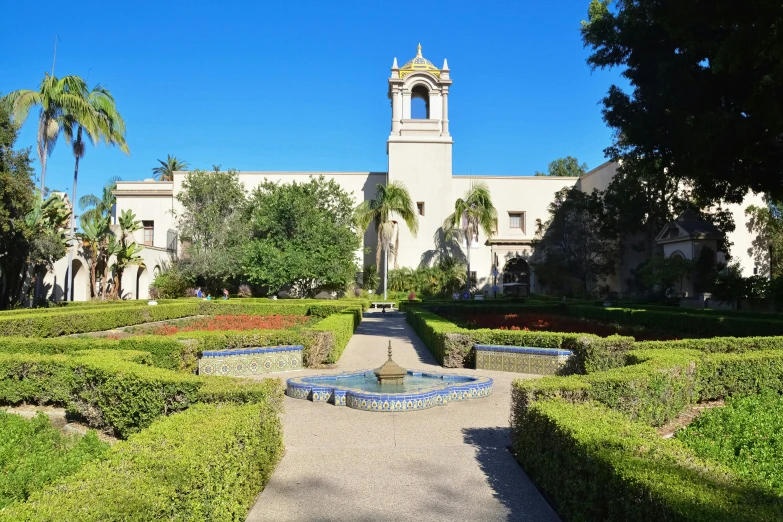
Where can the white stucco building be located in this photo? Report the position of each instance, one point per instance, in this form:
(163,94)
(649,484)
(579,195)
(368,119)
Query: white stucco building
(419,149)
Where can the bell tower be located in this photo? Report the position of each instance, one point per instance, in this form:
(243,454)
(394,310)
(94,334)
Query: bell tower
(419,149)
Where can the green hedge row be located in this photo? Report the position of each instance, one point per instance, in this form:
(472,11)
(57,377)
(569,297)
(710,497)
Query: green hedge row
(61,321)
(594,464)
(696,324)
(340,326)
(452,346)
(657,385)
(207,463)
(114,390)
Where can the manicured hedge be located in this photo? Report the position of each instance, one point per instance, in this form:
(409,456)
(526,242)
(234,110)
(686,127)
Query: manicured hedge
(716,344)
(452,346)
(115,389)
(340,326)
(207,463)
(696,324)
(63,322)
(594,464)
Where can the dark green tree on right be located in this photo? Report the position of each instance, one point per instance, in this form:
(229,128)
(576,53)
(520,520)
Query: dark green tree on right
(706,90)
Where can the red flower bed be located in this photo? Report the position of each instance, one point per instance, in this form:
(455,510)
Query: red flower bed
(553,323)
(233,322)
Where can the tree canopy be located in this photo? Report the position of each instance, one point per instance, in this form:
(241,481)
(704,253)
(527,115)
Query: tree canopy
(706,97)
(303,235)
(565,167)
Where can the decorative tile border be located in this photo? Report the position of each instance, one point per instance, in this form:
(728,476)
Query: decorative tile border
(454,388)
(521,359)
(251,361)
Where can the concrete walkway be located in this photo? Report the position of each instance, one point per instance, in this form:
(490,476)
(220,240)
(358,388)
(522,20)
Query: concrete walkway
(447,463)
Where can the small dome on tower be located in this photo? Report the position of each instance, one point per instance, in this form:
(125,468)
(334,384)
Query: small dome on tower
(419,64)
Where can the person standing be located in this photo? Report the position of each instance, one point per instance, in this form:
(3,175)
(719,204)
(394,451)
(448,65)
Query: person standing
(199,293)
(225,293)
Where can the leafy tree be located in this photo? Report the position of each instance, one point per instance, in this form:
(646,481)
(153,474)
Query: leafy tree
(17,200)
(572,250)
(472,214)
(56,97)
(565,167)
(706,97)
(165,171)
(171,282)
(125,251)
(213,227)
(390,201)
(665,273)
(766,224)
(303,235)
(370,278)
(97,216)
(47,222)
(730,287)
(102,123)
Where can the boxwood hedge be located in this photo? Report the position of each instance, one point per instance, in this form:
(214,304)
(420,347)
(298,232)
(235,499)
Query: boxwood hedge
(452,346)
(586,440)
(206,463)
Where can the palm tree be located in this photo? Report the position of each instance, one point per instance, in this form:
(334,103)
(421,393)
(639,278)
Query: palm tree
(125,252)
(390,200)
(103,123)
(97,210)
(167,168)
(56,97)
(472,214)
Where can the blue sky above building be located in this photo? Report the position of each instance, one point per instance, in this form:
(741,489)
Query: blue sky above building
(302,85)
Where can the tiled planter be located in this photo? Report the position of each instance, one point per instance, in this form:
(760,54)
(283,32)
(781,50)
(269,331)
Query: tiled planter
(251,361)
(520,359)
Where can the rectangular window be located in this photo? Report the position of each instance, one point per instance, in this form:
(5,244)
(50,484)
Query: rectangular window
(420,207)
(473,280)
(149,232)
(516,220)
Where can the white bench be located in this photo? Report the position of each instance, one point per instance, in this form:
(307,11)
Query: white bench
(382,305)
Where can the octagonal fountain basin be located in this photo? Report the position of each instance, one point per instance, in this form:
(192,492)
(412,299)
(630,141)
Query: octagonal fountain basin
(361,390)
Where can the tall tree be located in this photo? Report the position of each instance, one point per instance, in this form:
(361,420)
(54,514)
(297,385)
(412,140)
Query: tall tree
(48,222)
(102,123)
(303,235)
(97,214)
(766,224)
(94,241)
(472,215)
(165,171)
(706,95)
(16,201)
(212,226)
(565,167)
(56,97)
(390,200)
(125,251)
(573,251)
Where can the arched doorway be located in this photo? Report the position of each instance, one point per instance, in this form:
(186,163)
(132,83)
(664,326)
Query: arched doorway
(81,282)
(516,277)
(142,283)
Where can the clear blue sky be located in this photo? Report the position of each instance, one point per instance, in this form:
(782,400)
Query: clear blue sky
(302,85)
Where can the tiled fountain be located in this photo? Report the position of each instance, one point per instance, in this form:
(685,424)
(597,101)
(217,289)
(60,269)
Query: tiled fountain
(389,388)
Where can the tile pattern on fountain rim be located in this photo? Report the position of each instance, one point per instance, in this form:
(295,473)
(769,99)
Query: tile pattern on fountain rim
(521,349)
(251,361)
(521,362)
(463,388)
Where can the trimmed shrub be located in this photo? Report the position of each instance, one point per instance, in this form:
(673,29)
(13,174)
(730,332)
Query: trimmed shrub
(594,464)
(207,463)
(452,346)
(63,322)
(33,454)
(104,387)
(341,327)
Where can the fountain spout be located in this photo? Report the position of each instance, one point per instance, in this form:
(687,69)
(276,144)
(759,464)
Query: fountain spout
(390,372)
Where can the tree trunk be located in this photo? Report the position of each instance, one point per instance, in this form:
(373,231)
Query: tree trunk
(69,283)
(467,257)
(385,270)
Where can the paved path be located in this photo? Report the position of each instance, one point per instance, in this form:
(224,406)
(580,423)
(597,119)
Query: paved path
(447,463)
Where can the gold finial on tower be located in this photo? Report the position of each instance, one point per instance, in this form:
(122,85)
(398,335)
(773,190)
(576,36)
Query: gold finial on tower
(418,50)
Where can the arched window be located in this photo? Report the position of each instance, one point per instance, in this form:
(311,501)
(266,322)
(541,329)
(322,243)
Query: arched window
(516,277)
(420,103)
